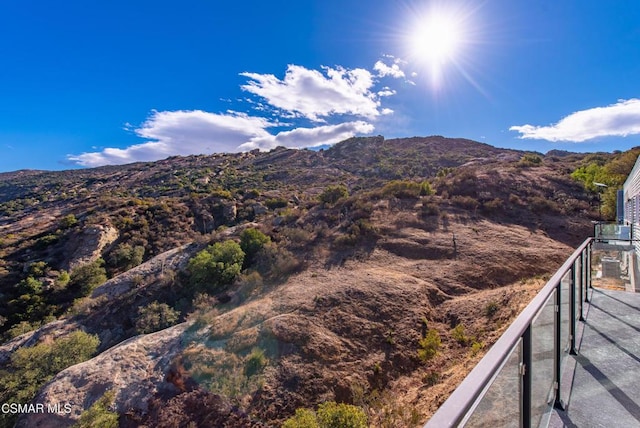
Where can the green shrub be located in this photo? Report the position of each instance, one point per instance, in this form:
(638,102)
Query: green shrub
(429,208)
(155,317)
(530,159)
(340,415)
(63,279)
(68,221)
(431,378)
(88,276)
(491,309)
(38,269)
(304,418)
(251,241)
(217,266)
(329,415)
(425,189)
(30,286)
(355,232)
(467,202)
(459,335)
(276,262)
(404,189)
(255,362)
(493,205)
(125,257)
(333,194)
(99,415)
(541,205)
(252,194)
(429,345)
(476,347)
(220,193)
(274,203)
(46,240)
(21,328)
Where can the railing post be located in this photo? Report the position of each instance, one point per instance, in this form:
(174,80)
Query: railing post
(525,411)
(588,284)
(572,309)
(583,281)
(558,404)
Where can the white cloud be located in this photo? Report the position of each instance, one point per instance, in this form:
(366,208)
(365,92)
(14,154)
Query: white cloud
(385,70)
(616,120)
(386,92)
(198,132)
(310,137)
(182,133)
(331,94)
(314,95)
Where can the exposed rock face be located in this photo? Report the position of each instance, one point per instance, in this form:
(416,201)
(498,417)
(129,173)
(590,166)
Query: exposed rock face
(230,212)
(88,246)
(135,370)
(123,283)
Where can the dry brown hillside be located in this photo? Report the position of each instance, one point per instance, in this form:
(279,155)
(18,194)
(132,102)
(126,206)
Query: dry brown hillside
(369,254)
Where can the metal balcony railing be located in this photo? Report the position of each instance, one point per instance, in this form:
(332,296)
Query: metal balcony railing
(605,232)
(519,380)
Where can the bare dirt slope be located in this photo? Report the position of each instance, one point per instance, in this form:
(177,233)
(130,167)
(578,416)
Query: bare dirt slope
(342,325)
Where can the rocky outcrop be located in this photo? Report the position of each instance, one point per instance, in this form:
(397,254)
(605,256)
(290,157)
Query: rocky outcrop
(134,370)
(159,265)
(89,243)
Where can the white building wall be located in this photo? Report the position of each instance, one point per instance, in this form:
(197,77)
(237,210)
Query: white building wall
(631,190)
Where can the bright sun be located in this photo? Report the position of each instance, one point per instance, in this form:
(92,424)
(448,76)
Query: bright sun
(436,39)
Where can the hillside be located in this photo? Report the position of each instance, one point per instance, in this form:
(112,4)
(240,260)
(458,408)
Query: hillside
(354,259)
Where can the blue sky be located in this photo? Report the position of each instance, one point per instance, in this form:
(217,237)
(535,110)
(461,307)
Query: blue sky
(92,83)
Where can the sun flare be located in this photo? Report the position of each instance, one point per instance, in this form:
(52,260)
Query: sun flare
(436,39)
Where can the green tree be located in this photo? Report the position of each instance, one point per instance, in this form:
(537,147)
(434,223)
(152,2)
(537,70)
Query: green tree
(612,173)
(216,266)
(589,174)
(252,241)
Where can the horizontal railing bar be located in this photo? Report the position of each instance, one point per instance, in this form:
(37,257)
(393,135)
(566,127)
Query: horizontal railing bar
(463,398)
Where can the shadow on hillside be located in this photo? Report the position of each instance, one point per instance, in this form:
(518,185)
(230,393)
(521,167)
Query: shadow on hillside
(340,254)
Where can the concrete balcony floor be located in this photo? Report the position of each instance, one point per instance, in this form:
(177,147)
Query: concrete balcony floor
(606,372)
